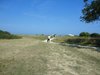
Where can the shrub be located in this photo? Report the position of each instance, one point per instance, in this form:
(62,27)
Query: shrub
(7,35)
(94,35)
(84,34)
(84,41)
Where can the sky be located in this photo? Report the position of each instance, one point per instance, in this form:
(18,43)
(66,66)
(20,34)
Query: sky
(44,17)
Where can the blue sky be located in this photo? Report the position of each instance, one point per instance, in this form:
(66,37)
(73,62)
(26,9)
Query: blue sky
(44,17)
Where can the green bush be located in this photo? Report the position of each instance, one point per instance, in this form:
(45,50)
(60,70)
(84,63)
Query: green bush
(7,35)
(76,40)
(84,34)
(94,35)
(84,41)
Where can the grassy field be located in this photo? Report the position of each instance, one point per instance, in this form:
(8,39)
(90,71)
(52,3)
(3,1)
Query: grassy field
(31,56)
(85,41)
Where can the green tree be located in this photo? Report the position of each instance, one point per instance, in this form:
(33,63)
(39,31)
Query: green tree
(84,34)
(95,35)
(91,11)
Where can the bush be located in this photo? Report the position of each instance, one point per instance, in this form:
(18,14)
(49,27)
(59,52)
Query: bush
(84,41)
(77,41)
(7,35)
(94,35)
(84,34)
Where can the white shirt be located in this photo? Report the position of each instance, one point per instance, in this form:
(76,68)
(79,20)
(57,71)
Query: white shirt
(49,37)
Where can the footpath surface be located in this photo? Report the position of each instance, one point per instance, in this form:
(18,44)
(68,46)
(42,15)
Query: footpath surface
(33,57)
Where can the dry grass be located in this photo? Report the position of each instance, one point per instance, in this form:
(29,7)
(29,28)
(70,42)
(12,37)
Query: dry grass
(61,39)
(29,56)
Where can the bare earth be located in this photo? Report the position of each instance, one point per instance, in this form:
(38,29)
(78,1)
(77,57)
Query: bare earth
(29,56)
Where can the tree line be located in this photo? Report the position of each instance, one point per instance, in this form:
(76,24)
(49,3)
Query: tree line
(86,34)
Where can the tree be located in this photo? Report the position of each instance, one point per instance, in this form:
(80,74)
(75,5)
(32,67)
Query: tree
(84,34)
(91,11)
(95,35)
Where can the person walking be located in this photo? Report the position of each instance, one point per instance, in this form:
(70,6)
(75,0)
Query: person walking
(49,38)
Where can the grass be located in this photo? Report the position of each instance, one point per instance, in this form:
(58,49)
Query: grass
(38,37)
(86,41)
(31,56)
(61,39)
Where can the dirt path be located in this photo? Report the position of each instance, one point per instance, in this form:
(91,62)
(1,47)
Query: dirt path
(33,57)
